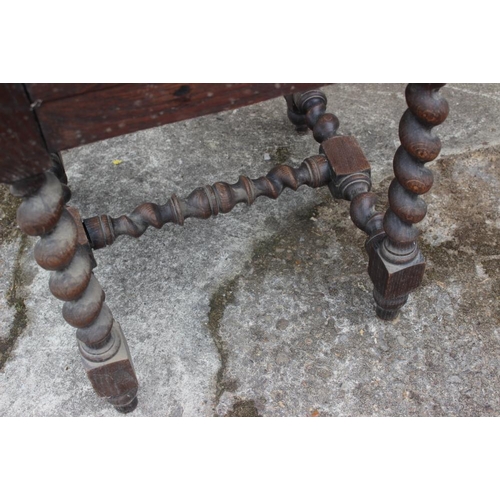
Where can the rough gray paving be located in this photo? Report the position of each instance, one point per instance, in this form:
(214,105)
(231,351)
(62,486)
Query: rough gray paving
(268,310)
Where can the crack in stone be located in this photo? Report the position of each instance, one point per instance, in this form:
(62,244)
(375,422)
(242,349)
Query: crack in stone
(225,295)
(220,299)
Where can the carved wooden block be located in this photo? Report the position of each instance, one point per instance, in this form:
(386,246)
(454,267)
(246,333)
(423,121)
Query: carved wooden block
(345,155)
(395,280)
(351,170)
(111,371)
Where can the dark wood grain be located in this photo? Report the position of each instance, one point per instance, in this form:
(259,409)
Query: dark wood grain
(54,91)
(22,149)
(110,112)
(345,155)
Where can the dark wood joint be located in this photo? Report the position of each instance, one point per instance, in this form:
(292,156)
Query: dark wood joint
(393,282)
(345,155)
(351,170)
(81,234)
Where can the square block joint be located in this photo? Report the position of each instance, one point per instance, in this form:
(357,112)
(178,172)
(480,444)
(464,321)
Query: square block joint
(344,155)
(395,280)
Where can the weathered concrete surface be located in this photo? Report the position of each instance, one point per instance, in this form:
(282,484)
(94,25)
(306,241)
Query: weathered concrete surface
(268,310)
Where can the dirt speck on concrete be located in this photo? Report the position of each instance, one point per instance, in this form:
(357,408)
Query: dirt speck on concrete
(243,409)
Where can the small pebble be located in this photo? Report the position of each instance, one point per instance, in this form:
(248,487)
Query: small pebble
(402,341)
(267,156)
(383,345)
(282,324)
(282,358)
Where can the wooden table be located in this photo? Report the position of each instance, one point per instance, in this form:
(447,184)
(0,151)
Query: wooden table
(37,121)
(40,118)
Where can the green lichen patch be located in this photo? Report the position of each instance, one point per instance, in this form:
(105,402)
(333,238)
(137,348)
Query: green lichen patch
(15,299)
(281,155)
(8,209)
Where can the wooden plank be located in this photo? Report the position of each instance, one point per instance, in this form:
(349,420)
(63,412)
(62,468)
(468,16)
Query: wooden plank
(54,91)
(127,108)
(22,149)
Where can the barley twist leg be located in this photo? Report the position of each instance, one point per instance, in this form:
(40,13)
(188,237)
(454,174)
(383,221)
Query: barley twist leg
(397,267)
(64,251)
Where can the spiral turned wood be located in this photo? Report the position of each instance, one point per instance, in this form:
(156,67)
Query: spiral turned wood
(208,201)
(351,171)
(399,268)
(63,250)
(308,110)
(426,109)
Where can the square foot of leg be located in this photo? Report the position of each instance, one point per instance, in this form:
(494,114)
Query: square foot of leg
(393,282)
(113,378)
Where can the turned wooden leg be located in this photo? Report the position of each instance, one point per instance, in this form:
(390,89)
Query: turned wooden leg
(308,110)
(63,249)
(295,116)
(397,266)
